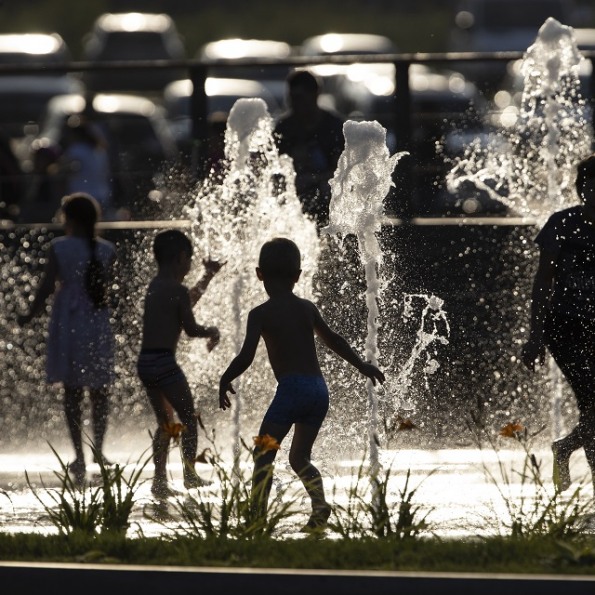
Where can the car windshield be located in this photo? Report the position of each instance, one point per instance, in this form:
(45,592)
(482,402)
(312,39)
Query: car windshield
(133,46)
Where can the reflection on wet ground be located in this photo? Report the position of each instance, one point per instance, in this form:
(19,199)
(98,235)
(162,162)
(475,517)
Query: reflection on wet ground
(465,492)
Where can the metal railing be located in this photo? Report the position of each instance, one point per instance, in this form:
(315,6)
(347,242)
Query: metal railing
(198,72)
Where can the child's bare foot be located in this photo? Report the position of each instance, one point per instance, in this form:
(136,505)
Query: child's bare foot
(162,491)
(78,471)
(318,519)
(561,470)
(194,481)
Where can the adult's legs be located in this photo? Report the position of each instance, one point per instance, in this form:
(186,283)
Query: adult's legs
(99,412)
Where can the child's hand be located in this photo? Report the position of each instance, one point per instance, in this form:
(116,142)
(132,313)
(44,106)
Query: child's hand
(23,319)
(372,372)
(533,354)
(213,339)
(224,402)
(212,266)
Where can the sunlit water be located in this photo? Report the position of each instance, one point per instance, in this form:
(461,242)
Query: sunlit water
(461,492)
(252,200)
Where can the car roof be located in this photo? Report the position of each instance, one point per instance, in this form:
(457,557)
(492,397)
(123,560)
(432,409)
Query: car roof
(133,21)
(244,48)
(104,103)
(347,43)
(39,46)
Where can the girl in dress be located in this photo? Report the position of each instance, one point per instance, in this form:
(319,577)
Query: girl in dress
(80,347)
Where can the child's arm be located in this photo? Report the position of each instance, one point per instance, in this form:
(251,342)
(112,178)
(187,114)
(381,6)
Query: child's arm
(341,347)
(212,267)
(44,289)
(242,361)
(189,324)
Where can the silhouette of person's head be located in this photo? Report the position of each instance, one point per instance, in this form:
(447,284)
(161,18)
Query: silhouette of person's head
(303,89)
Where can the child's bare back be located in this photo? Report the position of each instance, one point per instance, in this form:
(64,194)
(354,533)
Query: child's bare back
(287,323)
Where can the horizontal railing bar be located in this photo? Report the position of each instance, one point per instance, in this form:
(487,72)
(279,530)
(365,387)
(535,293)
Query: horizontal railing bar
(409,58)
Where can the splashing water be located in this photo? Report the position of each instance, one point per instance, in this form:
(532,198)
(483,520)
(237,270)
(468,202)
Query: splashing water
(360,185)
(433,328)
(233,215)
(531,168)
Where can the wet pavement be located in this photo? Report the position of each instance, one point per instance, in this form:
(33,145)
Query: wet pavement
(460,492)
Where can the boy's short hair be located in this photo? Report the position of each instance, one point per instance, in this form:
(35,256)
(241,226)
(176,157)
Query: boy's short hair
(168,245)
(279,258)
(585,171)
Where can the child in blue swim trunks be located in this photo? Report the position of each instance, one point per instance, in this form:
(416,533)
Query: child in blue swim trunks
(288,325)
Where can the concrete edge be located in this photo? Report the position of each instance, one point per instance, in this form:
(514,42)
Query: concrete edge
(101,578)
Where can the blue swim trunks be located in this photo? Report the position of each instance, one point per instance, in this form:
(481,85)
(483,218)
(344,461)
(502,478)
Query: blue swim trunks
(158,367)
(299,399)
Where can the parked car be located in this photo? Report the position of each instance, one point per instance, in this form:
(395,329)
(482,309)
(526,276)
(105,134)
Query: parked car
(133,36)
(222,93)
(242,52)
(347,43)
(139,142)
(343,84)
(34,48)
(24,98)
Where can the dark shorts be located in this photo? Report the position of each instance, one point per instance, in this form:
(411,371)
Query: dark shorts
(299,399)
(158,368)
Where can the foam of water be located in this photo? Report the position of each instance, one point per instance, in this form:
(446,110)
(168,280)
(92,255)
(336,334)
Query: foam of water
(532,167)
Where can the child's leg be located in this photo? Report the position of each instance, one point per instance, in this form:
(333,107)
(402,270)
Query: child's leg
(262,476)
(164,415)
(180,398)
(100,410)
(73,397)
(299,459)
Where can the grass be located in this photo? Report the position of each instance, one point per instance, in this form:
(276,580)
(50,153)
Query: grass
(492,555)
(379,526)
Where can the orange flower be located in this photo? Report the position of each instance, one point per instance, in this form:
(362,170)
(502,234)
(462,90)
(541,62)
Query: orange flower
(266,443)
(174,430)
(404,424)
(512,430)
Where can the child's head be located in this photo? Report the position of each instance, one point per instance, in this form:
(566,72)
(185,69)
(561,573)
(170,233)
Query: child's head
(81,209)
(585,178)
(169,245)
(280,260)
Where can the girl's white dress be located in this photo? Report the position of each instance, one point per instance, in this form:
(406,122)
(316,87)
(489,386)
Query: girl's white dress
(80,344)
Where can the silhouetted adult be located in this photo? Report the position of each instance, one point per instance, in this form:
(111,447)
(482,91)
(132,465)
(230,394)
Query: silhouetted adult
(313,138)
(11,180)
(86,162)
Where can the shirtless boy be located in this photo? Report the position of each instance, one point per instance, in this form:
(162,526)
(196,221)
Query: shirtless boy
(168,311)
(288,324)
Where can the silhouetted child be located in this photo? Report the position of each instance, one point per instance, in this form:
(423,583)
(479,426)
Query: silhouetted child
(80,345)
(563,314)
(288,324)
(168,311)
